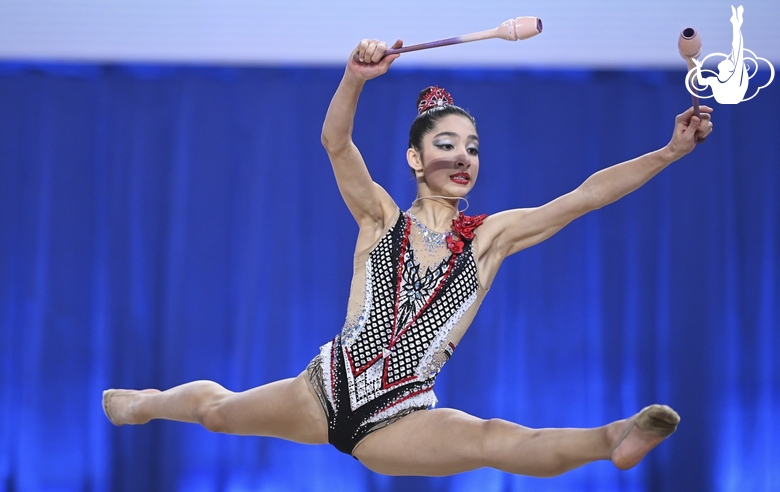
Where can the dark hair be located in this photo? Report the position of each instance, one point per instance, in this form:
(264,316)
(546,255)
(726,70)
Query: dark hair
(426,120)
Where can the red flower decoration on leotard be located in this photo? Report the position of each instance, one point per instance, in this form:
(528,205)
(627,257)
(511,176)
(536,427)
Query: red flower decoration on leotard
(464,227)
(455,245)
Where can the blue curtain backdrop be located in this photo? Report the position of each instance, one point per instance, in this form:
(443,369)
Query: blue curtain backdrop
(165,224)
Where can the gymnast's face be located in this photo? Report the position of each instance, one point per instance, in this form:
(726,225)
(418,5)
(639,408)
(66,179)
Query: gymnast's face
(448,163)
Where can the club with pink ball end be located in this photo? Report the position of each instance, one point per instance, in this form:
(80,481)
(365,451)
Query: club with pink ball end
(689,46)
(520,28)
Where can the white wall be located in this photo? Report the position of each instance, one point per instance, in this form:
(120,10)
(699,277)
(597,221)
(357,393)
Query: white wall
(601,33)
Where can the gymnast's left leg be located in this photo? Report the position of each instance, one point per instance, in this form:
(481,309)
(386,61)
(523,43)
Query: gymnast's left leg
(445,441)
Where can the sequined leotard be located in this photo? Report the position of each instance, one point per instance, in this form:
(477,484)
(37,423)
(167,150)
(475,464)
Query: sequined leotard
(383,364)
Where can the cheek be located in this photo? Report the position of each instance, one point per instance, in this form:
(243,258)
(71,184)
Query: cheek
(435,167)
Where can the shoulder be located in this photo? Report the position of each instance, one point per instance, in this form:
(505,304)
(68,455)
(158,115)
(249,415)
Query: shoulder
(493,226)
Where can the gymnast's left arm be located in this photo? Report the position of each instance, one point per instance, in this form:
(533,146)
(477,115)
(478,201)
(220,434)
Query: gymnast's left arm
(508,232)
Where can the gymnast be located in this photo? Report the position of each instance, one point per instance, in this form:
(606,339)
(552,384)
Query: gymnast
(419,278)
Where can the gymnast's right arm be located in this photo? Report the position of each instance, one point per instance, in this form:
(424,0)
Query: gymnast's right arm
(369,203)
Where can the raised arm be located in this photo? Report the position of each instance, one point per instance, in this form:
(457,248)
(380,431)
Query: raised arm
(510,231)
(368,202)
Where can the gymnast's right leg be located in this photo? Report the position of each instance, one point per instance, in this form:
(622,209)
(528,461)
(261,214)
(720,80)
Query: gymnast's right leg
(288,409)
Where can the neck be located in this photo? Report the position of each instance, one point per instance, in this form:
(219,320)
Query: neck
(437,212)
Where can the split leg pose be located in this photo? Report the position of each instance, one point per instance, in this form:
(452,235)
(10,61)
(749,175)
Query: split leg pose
(420,276)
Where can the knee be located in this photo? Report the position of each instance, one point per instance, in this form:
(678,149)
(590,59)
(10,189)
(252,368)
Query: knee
(210,413)
(498,437)
(213,419)
(497,430)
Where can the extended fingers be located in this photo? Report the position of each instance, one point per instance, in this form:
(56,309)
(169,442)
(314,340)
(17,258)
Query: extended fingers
(705,109)
(686,116)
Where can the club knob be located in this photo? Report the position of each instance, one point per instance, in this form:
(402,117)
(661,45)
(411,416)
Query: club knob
(689,43)
(527,27)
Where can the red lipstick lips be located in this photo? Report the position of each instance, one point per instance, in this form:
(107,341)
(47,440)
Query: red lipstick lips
(460,178)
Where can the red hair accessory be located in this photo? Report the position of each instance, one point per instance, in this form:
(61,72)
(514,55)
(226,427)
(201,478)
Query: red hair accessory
(434,97)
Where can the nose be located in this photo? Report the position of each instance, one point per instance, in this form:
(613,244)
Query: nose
(463,164)
(463,159)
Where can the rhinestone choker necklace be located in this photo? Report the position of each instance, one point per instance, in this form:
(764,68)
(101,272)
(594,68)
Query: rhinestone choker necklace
(431,238)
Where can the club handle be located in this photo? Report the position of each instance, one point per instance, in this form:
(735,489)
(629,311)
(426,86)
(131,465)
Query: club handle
(423,46)
(417,47)
(697,113)
(694,99)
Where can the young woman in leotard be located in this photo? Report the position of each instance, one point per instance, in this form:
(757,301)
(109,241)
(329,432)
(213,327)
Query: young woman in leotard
(419,278)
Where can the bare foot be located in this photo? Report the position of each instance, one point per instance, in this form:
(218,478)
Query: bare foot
(641,433)
(117,405)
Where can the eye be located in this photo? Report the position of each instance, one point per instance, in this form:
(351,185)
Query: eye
(473,151)
(445,146)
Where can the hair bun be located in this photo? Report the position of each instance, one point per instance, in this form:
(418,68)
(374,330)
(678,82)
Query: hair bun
(433,97)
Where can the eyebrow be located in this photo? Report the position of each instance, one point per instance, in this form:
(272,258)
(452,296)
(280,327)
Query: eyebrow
(453,134)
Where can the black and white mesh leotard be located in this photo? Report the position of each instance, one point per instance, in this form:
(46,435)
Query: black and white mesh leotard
(383,364)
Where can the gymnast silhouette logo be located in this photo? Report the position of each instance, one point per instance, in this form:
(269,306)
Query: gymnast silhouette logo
(730,84)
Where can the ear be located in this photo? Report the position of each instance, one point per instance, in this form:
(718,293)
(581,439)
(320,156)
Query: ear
(414,159)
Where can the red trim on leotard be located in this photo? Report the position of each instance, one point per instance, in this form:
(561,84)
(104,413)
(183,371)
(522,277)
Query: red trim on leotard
(357,372)
(401,262)
(396,337)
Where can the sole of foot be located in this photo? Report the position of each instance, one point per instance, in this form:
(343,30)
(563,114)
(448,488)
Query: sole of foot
(642,432)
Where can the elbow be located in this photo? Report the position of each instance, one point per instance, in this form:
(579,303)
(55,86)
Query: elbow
(333,147)
(589,200)
(326,141)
